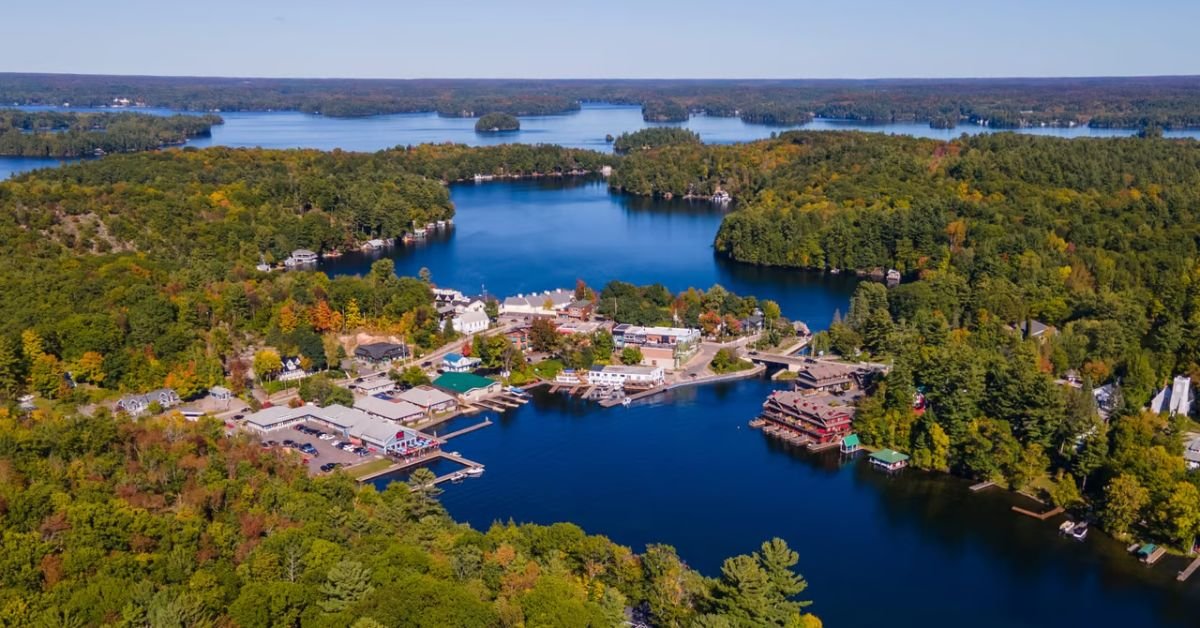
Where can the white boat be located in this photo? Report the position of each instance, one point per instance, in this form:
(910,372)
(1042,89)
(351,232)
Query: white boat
(721,197)
(626,401)
(1080,531)
(1066,526)
(474,471)
(458,476)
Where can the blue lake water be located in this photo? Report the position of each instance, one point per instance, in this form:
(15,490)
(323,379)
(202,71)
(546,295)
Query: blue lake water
(585,128)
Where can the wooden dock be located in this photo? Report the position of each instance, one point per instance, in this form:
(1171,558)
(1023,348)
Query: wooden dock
(649,392)
(1155,555)
(1041,516)
(400,465)
(466,430)
(1189,570)
(975,488)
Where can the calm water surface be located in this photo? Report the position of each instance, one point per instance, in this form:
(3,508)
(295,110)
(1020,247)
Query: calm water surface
(582,129)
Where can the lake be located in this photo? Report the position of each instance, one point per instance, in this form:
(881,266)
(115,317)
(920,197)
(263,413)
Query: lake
(532,235)
(684,469)
(585,128)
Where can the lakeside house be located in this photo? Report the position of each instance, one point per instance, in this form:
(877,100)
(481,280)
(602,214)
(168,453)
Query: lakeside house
(569,377)
(467,386)
(548,303)
(1175,398)
(889,459)
(823,375)
(380,352)
(134,405)
(619,376)
(472,321)
(430,400)
(668,347)
(301,257)
(377,434)
(458,363)
(393,410)
(817,419)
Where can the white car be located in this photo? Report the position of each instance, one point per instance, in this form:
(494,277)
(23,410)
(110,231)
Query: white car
(326,437)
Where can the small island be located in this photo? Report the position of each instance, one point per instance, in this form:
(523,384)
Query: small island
(497,123)
(654,137)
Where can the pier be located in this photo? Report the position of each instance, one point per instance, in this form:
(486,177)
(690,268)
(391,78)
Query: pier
(1041,516)
(401,465)
(466,430)
(1189,570)
(975,488)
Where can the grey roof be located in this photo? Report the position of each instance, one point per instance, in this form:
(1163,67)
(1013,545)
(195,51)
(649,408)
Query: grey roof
(394,410)
(270,417)
(381,350)
(473,316)
(424,396)
(1191,452)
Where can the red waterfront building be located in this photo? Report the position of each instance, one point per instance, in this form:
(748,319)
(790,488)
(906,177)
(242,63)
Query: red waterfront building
(820,419)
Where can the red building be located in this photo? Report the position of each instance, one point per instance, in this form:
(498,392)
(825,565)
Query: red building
(814,417)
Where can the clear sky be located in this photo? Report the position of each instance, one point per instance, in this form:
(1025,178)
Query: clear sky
(612,39)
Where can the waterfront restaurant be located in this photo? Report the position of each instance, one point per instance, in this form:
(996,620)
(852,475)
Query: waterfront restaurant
(889,460)
(819,419)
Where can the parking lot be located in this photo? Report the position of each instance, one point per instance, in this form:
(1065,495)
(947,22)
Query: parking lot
(325,450)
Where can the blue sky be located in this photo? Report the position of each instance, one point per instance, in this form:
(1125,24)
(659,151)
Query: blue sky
(611,39)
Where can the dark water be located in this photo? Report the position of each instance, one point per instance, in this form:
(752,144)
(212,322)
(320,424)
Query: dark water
(582,129)
(527,236)
(917,548)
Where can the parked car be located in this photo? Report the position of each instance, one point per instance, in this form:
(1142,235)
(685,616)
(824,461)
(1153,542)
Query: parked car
(299,427)
(337,444)
(289,443)
(326,437)
(308,449)
(329,466)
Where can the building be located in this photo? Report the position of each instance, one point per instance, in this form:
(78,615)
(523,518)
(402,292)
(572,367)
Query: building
(569,377)
(820,375)
(580,310)
(134,405)
(1191,453)
(754,323)
(392,410)
(571,328)
(1174,399)
(889,460)
(622,376)
(301,257)
(467,386)
(458,363)
(387,437)
(667,347)
(548,303)
(380,352)
(377,433)
(276,418)
(470,322)
(292,370)
(851,444)
(819,419)
(376,386)
(519,338)
(220,393)
(430,400)
(1107,397)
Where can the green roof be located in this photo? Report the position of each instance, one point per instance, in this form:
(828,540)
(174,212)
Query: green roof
(889,456)
(462,383)
(1147,549)
(851,441)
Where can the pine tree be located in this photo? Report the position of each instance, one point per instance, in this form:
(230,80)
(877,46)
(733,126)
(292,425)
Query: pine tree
(347,582)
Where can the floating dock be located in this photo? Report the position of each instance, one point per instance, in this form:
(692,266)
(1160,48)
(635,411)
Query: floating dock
(1189,570)
(975,488)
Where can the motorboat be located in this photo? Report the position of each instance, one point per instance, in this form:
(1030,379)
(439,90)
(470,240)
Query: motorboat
(474,471)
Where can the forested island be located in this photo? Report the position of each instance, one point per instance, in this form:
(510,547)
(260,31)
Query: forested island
(654,137)
(1132,102)
(1037,269)
(72,134)
(497,123)
(143,271)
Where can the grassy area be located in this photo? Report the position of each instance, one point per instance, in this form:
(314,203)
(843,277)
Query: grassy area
(368,468)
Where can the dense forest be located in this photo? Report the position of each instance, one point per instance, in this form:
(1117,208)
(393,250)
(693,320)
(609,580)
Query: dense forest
(71,134)
(161,522)
(1134,102)
(497,122)
(654,137)
(1096,238)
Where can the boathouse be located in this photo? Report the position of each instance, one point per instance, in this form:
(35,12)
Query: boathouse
(467,386)
(850,444)
(889,459)
(818,419)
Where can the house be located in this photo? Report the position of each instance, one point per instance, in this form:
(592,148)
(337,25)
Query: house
(1034,329)
(569,377)
(548,303)
(851,444)
(1191,453)
(392,410)
(621,376)
(376,386)
(580,310)
(1174,399)
(458,363)
(380,352)
(301,257)
(668,347)
(893,276)
(1107,397)
(431,400)
(467,386)
(133,405)
(292,369)
(519,338)
(471,322)
(220,393)
(889,460)
(820,375)
(754,323)
(818,419)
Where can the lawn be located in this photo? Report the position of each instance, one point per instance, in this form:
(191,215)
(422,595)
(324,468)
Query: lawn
(368,468)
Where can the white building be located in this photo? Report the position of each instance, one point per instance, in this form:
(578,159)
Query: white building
(458,363)
(1174,399)
(376,386)
(620,376)
(548,303)
(471,321)
(137,404)
(301,257)
(382,435)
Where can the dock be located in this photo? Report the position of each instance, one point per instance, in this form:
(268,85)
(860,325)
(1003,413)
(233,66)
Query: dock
(1041,516)
(400,465)
(466,430)
(1155,555)
(1189,570)
(649,392)
(975,488)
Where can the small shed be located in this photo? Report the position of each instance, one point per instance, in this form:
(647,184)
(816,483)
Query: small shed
(851,444)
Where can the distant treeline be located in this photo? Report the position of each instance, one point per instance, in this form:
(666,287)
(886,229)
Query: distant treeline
(1166,102)
(72,134)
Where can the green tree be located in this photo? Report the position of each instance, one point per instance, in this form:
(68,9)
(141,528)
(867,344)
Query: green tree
(631,355)
(348,582)
(1124,499)
(267,363)
(1178,517)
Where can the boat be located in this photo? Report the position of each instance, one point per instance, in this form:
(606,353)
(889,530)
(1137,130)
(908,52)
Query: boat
(1066,526)
(721,197)
(474,471)
(517,390)
(454,453)
(626,401)
(458,476)
(1079,531)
